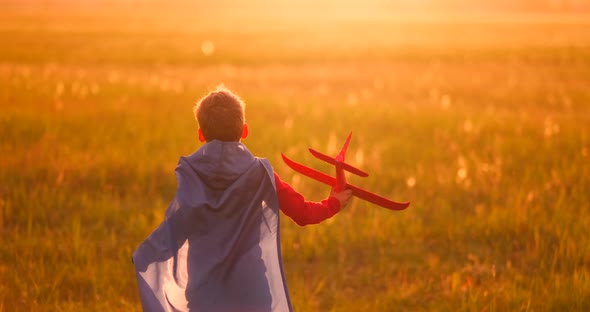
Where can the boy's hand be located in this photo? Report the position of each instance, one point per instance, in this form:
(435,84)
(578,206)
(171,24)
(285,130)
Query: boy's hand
(343,197)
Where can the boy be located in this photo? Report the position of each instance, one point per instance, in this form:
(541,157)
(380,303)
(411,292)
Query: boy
(219,247)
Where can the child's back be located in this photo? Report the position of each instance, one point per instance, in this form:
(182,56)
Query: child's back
(224,222)
(219,247)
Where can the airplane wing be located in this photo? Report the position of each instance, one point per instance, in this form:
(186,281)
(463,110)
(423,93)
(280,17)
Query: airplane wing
(332,161)
(356,191)
(376,199)
(312,173)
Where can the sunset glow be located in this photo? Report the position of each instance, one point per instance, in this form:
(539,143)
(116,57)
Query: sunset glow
(475,111)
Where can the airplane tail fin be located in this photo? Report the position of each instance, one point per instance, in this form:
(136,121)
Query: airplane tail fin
(340,157)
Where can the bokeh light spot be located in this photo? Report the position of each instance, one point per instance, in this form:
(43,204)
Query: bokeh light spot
(411,182)
(207,47)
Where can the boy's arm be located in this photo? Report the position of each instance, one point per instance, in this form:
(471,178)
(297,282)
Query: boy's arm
(304,212)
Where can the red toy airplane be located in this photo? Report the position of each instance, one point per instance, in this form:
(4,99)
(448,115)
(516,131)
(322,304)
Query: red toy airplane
(339,183)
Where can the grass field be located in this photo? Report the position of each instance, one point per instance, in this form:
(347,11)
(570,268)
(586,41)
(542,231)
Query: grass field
(483,125)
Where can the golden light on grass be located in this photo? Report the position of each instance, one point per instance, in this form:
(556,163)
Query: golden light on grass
(530,196)
(550,127)
(462,174)
(359,158)
(59,89)
(296,181)
(378,84)
(3,211)
(127,89)
(445,102)
(467,126)
(411,182)
(114,77)
(352,99)
(332,147)
(367,94)
(59,105)
(322,89)
(288,124)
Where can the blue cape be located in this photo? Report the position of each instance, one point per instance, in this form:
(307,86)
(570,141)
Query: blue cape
(218,248)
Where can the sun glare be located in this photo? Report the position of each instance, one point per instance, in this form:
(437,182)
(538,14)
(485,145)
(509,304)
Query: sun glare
(324,11)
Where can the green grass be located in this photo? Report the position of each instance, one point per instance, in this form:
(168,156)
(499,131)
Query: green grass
(484,127)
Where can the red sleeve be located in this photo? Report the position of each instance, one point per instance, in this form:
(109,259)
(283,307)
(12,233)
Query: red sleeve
(304,212)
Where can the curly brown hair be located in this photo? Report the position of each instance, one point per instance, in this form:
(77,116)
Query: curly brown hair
(221,115)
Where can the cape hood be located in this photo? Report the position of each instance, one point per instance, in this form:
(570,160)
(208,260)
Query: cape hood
(219,164)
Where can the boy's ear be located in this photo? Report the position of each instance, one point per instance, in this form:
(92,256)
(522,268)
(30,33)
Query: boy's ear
(245,131)
(201,136)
